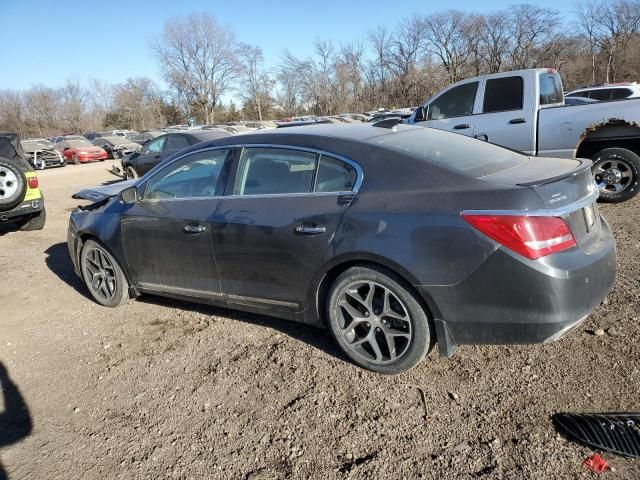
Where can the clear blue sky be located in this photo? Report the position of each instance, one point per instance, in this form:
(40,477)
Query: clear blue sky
(49,41)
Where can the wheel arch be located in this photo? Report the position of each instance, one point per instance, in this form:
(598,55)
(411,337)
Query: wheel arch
(332,270)
(613,133)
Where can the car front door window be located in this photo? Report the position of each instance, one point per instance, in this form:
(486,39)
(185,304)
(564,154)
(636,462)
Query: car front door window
(457,102)
(156,145)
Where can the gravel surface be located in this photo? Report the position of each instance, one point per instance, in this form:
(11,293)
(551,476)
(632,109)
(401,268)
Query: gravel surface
(161,388)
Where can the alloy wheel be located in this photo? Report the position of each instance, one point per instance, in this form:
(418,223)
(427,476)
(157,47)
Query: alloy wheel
(613,174)
(374,322)
(99,271)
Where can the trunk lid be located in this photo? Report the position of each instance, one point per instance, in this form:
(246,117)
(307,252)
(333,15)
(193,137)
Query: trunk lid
(566,189)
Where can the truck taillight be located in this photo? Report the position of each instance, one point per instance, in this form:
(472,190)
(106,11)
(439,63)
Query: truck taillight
(531,236)
(33,182)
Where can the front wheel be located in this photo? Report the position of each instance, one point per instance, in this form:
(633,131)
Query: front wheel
(130,173)
(76,159)
(615,171)
(377,321)
(103,276)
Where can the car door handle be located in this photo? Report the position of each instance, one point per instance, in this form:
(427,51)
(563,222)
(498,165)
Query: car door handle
(194,228)
(307,230)
(514,121)
(461,126)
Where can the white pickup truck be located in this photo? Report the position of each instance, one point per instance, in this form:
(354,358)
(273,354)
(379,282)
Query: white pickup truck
(524,110)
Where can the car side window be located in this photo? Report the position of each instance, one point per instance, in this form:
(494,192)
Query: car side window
(457,102)
(579,94)
(199,175)
(334,176)
(503,94)
(156,146)
(176,142)
(602,94)
(264,171)
(620,93)
(550,89)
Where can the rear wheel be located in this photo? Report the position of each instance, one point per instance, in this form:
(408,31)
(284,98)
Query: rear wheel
(35,222)
(103,276)
(615,171)
(377,321)
(131,173)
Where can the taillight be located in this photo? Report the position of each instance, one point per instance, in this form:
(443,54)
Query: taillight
(33,182)
(531,236)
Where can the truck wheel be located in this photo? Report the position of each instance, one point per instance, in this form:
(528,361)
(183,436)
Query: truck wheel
(13,184)
(615,171)
(36,222)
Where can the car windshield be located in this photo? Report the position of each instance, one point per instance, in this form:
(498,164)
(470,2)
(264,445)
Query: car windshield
(467,155)
(36,144)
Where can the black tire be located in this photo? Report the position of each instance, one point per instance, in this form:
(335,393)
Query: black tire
(130,172)
(406,322)
(619,164)
(13,184)
(76,160)
(35,222)
(107,285)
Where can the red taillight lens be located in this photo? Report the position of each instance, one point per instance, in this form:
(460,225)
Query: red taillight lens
(33,182)
(533,237)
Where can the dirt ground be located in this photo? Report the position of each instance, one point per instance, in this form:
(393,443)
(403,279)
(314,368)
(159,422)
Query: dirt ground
(161,388)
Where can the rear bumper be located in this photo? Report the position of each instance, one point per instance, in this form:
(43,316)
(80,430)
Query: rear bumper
(25,208)
(512,300)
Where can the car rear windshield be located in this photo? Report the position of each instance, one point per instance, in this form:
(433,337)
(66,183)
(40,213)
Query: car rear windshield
(466,155)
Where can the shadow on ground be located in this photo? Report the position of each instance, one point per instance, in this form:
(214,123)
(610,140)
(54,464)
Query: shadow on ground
(59,262)
(15,420)
(318,338)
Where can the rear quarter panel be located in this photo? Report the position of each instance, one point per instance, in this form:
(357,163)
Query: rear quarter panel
(561,129)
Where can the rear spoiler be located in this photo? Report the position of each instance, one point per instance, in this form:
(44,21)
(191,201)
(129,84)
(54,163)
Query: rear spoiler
(585,164)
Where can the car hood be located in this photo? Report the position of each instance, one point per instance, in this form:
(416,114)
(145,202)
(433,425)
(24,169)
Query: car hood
(97,194)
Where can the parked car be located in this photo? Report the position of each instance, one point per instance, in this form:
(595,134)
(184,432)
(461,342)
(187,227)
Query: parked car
(261,124)
(21,200)
(62,138)
(459,242)
(235,130)
(608,91)
(91,136)
(40,153)
(80,151)
(116,146)
(525,110)
(155,151)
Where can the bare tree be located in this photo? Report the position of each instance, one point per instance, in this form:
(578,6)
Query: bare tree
(40,103)
(255,82)
(531,28)
(73,106)
(198,57)
(12,114)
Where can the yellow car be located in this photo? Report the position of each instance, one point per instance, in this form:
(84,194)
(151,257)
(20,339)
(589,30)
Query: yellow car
(21,200)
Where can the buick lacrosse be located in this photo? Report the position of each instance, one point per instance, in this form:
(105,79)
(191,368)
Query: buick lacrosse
(395,238)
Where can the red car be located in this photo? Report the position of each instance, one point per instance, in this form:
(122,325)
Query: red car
(80,151)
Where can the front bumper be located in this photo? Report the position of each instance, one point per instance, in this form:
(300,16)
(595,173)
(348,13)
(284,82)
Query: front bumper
(512,300)
(25,208)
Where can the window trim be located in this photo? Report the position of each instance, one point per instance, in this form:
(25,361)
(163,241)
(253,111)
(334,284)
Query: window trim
(235,163)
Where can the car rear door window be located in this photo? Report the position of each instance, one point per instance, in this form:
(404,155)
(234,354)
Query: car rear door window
(620,93)
(268,171)
(199,175)
(502,94)
(334,176)
(456,102)
(176,142)
(602,94)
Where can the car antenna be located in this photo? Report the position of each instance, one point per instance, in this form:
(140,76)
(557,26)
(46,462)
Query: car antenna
(388,122)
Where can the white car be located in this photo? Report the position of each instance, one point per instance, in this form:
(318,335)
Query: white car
(610,91)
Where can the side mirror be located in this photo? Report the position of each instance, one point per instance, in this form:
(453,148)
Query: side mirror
(420,117)
(129,195)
